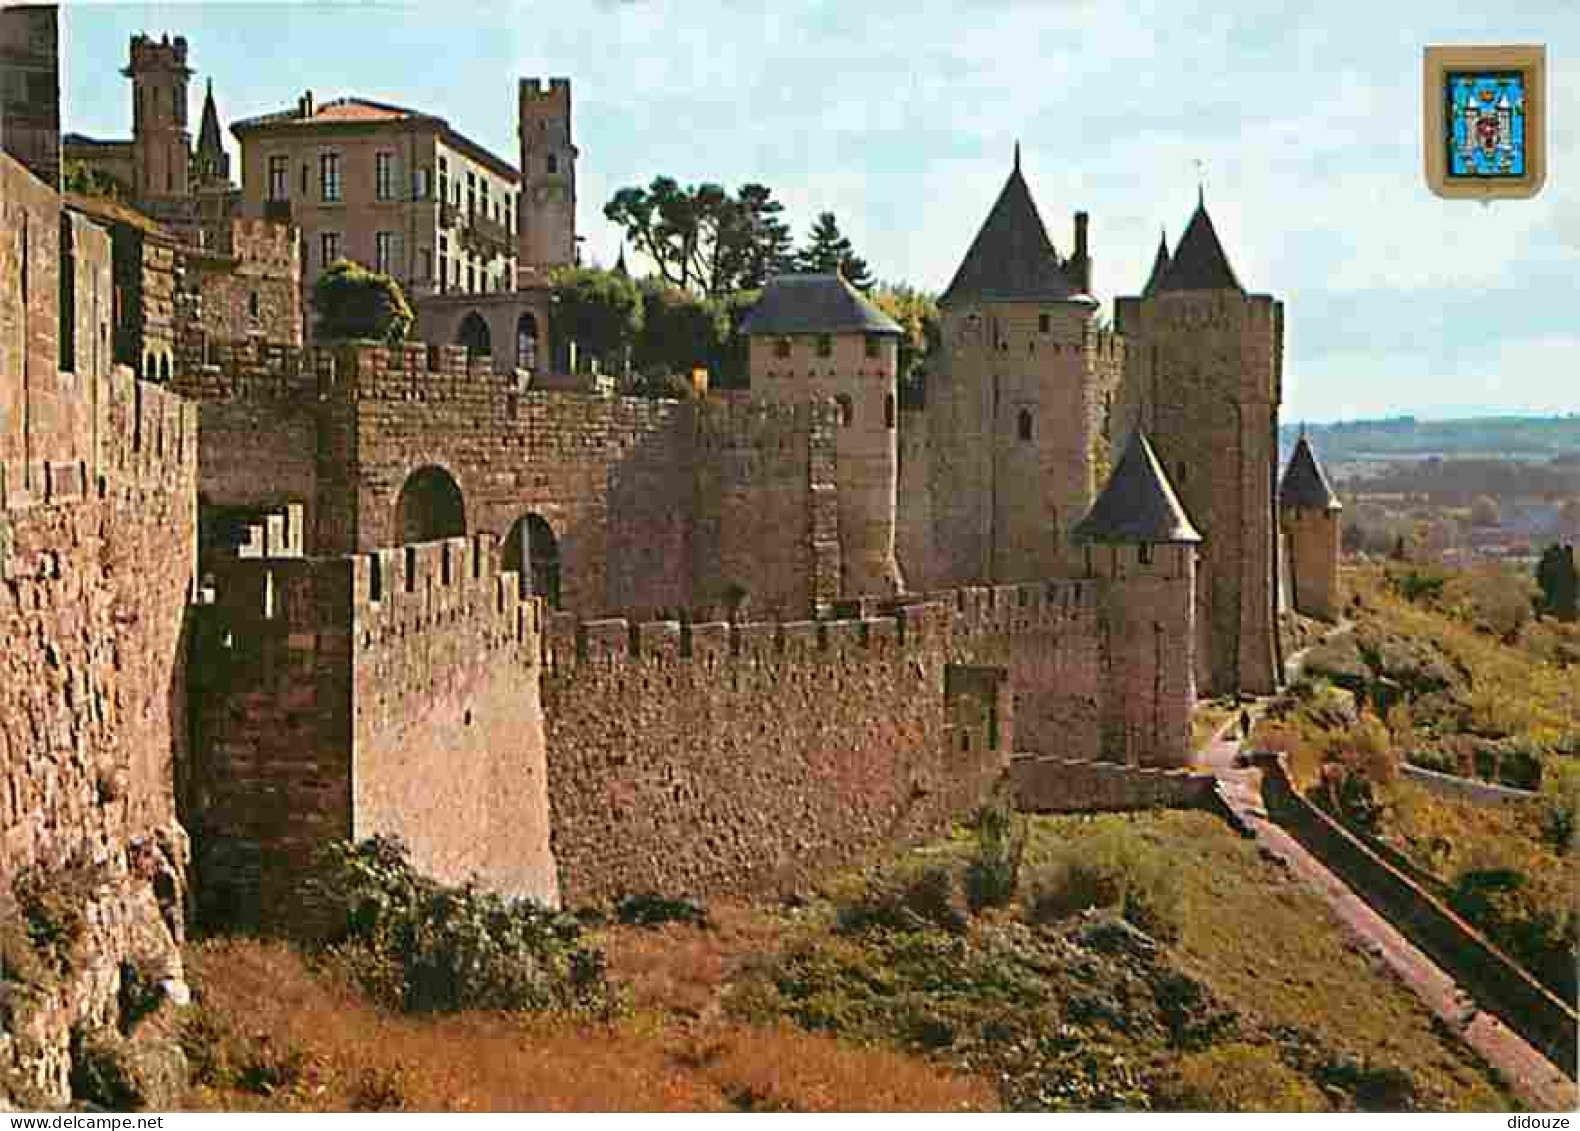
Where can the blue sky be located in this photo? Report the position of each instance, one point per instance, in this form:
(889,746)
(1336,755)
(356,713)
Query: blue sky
(901,119)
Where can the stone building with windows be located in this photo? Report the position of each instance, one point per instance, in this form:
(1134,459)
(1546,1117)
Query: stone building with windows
(395,189)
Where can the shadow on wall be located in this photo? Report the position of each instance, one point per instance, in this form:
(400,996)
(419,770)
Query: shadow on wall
(429,507)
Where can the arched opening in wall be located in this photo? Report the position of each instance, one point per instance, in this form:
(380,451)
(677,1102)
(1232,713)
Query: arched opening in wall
(429,507)
(164,369)
(1023,424)
(532,550)
(473,334)
(888,411)
(527,341)
(847,410)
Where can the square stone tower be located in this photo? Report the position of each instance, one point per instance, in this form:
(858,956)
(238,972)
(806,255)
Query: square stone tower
(547,223)
(1016,406)
(30,90)
(1203,374)
(815,337)
(161,145)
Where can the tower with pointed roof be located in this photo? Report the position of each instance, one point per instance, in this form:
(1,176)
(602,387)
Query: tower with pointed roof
(1203,374)
(1015,405)
(1309,514)
(1139,540)
(210,162)
(815,337)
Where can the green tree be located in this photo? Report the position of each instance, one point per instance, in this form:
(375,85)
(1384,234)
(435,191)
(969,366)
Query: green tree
(354,302)
(828,250)
(917,313)
(81,178)
(1556,575)
(702,238)
(681,331)
(598,310)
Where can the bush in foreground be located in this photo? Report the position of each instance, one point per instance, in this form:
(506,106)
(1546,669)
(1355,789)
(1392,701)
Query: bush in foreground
(421,946)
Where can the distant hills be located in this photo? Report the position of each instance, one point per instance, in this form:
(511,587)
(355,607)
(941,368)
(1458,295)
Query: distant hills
(1405,437)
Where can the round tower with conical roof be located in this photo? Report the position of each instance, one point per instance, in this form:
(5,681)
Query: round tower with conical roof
(1203,371)
(1015,402)
(1139,542)
(1309,512)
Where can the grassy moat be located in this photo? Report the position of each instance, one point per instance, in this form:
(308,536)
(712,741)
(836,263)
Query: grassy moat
(1210,980)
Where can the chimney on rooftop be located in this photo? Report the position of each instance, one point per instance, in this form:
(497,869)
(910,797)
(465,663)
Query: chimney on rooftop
(1079,260)
(304,105)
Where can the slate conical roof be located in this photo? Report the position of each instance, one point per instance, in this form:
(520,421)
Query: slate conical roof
(1304,483)
(1199,262)
(816,304)
(1137,504)
(1012,256)
(209,143)
(1160,265)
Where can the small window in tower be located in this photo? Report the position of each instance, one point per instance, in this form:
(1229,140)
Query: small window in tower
(1044,323)
(874,346)
(847,410)
(888,411)
(553,164)
(1144,553)
(252,304)
(1023,425)
(1181,472)
(781,347)
(825,345)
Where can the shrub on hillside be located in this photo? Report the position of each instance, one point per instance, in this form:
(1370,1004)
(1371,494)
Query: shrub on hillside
(912,895)
(1111,870)
(421,946)
(1238,1078)
(994,871)
(1560,801)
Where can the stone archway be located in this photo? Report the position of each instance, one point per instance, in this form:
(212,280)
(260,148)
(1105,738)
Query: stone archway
(473,334)
(527,340)
(533,550)
(429,507)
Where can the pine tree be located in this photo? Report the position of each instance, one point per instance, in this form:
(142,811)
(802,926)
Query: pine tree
(828,250)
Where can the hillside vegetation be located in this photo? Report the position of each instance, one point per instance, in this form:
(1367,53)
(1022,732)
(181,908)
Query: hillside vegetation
(1450,670)
(1147,962)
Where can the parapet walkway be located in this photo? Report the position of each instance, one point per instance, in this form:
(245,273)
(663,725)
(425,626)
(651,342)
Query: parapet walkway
(1527,1072)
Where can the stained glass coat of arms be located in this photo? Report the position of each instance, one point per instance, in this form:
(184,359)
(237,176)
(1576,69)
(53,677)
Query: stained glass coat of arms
(1486,120)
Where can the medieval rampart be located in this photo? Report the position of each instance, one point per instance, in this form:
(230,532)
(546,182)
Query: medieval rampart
(386,693)
(96,558)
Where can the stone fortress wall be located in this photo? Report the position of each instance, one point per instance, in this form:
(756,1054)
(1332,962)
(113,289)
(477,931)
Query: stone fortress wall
(337,698)
(97,552)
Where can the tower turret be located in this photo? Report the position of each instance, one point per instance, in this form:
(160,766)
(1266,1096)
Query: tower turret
(1138,538)
(547,220)
(1015,409)
(815,336)
(161,145)
(1203,374)
(1309,511)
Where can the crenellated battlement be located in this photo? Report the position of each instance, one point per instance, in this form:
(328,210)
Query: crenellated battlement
(387,601)
(871,624)
(1109,345)
(732,423)
(413,371)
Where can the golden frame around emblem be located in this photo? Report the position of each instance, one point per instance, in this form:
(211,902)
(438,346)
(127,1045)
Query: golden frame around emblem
(1442,59)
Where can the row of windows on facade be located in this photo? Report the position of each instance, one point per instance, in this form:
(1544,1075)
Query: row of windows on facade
(388,248)
(847,410)
(386,185)
(825,346)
